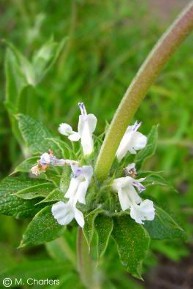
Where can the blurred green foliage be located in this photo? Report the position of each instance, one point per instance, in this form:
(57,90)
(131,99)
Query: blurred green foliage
(107,42)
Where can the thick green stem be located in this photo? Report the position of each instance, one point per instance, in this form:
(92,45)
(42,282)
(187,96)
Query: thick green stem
(134,95)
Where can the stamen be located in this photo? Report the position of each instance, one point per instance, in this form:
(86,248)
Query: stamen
(82,108)
(136,126)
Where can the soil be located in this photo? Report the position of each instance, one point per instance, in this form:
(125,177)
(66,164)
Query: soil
(171,275)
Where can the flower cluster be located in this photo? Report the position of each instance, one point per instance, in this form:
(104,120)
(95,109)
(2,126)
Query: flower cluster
(128,187)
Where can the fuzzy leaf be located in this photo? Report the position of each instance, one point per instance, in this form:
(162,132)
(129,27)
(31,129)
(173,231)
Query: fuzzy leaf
(36,135)
(88,229)
(132,243)
(10,204)
(54,196)
(26,165)
(154,179)
(39,189)
(150,148)
(45,57)
(43,228)
(103,227)
(163,226)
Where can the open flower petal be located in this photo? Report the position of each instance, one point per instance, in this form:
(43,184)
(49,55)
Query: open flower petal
(74,136)
(79,183)
(143,211)
(126,192)
(138,141)
(64,213)
(78,215)
(66,129)
(86,126)
(131,141)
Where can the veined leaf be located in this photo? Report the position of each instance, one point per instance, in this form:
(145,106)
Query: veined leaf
(38,190)
(26,165)
(88,229)
(132,243)
(46,56)
(103,226)
(13,206)
(36,135)
(163,226)
(155,178)
(43,228)
(54,196)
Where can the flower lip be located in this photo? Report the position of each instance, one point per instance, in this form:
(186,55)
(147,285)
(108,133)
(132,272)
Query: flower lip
(145,211)
(64,213)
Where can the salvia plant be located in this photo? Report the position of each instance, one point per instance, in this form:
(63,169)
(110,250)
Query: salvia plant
(77,184)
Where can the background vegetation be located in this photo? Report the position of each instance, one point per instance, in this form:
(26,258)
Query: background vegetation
(107,42)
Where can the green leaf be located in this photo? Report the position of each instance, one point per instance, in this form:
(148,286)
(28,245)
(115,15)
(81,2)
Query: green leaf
(155,178)
(163,226)
(132,243)
(43,228)
(36,269)
(39,189)
(54,196)
(45,57)
(16,81)
(36,135)
(150,148)
(103,227)
(58,194)
(88,229)
(13,206)
(26,165)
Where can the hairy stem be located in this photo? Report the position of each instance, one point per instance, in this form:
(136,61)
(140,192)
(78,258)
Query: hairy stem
(134,95)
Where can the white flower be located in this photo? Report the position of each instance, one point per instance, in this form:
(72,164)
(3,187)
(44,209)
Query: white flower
(67,130)
(131,141)
(144,211)
(79,183)
(129,199)
(45,159)
(64,213)
(126,191)
(86,126)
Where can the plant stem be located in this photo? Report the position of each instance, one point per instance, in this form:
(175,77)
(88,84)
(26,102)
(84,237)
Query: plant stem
(134,95)
(85,264)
